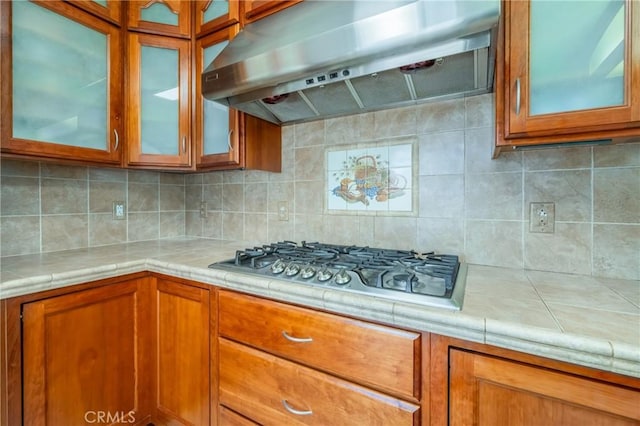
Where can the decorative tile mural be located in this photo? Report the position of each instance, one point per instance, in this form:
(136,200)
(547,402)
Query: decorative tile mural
(374,179)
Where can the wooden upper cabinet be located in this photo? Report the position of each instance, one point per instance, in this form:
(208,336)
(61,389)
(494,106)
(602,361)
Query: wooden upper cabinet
(217,127)
(569,71)
(258,9)
(111,10)
(484,390)
(224,137)
(212,15)
(166,17)
(83,354)
(61,83)
(158,102)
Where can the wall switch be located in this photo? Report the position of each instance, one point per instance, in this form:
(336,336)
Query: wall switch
(203,209)
(283,210)
(542,217)
(119,210)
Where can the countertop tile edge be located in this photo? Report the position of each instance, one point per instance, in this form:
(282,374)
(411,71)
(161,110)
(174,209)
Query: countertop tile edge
(359,305)
(22,286)
(300,294)
(587,351)
(56,280)
(626,359)
(448,323)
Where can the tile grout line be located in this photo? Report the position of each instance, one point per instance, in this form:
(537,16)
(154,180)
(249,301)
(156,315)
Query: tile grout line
(40,248)
(126,201)
(88,186)
(592,191)
(523,214)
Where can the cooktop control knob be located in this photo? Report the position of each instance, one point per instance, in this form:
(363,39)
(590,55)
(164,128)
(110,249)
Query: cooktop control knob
(292,269)
(342,277)
(307,272)
(278,266)
(324,275)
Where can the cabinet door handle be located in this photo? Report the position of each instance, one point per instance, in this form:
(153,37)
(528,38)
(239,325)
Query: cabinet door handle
(117,138)
(294,411)
(518,96)
(229,140)
(296,339)
(184,144)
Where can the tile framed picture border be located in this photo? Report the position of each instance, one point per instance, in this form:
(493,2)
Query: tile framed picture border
(372,178)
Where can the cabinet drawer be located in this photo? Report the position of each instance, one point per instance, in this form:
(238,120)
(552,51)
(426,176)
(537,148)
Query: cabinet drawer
(382,357)
(273,391)
(229,417)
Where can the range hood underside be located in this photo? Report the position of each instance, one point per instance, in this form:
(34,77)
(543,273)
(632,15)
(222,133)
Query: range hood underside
(454,76)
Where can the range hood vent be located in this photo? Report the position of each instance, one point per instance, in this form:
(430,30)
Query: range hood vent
(326,58)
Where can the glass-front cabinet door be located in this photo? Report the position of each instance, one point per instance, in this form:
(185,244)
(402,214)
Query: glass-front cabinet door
(167,17)
(158,114)
(217,132)
(212,15)
(572,64)
(62,87)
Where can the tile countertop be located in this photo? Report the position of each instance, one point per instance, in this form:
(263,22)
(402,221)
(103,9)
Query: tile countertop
(584,320)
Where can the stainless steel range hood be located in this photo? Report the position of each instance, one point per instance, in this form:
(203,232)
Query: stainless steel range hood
(327,58)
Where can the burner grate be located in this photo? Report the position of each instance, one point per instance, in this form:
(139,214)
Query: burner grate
(403,274)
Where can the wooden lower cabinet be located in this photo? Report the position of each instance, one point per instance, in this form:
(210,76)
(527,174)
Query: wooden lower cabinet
(227,417)
(491,391)
(284,364)
(129,352)
(152,349)
(182,348)
(377,356)
(84,357)
(274,391)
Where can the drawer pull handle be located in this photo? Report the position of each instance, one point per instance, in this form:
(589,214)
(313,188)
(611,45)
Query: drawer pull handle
(297,339)
(294,411)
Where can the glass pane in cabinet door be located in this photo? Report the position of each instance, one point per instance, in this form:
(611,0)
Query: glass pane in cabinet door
(60,79)
(215,9)
(102,3)
(159,12)
(216,116)
(159,105)
(576,55)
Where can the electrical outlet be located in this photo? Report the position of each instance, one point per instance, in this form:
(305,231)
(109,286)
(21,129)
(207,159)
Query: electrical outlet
(542,217)
(203,209)
(119,210)
(283,210)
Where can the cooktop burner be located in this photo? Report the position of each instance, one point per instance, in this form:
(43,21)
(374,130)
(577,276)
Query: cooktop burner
(423,278)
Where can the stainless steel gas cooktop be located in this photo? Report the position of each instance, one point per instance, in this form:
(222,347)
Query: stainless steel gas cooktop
(424,278)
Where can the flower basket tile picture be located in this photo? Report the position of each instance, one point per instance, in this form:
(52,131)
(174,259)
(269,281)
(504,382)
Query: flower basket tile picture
(375,179)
